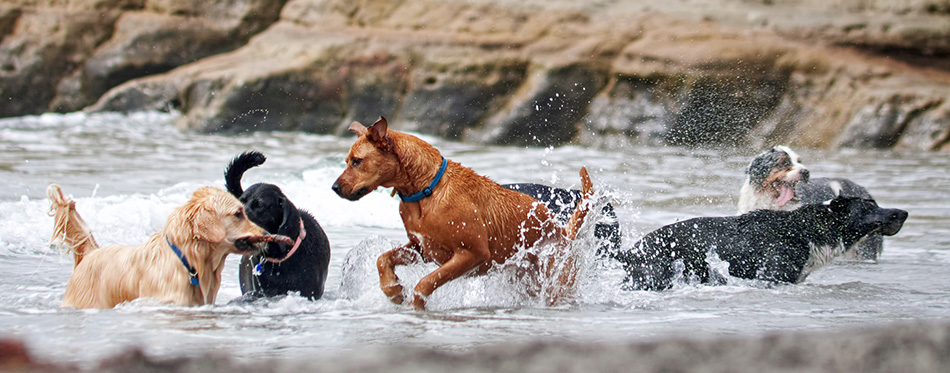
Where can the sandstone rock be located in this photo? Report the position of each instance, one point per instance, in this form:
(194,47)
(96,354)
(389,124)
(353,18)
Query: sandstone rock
(547,110)
(451,97)
(44,45)
(166,35)
(809,73)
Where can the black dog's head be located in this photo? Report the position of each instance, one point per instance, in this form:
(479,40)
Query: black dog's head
(863,216)
(265,204)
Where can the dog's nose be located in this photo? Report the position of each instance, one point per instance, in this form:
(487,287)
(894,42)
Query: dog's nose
(899,215)
(805,175)
(336,188)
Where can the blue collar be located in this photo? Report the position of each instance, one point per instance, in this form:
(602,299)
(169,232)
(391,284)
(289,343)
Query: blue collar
(191,271)
(428,190)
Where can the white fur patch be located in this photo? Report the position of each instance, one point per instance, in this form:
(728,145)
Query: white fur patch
(835,187)
(819,256)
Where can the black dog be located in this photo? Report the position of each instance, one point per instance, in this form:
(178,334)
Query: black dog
(562,203)
(778,181)
(776,246)
(281,268)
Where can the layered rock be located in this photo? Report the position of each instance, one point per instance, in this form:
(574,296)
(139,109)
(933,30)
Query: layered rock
(63,56)
(812,73)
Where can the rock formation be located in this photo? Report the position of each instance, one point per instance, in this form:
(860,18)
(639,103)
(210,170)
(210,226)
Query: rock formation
(808,73)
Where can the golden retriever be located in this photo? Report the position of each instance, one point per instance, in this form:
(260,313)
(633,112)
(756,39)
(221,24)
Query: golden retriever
(181,264)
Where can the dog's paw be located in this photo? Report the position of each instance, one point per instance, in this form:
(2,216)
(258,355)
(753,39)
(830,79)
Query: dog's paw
(394,293)
(418,302)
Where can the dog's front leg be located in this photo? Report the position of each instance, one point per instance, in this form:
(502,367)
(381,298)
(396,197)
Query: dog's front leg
(463,261)
(386,265)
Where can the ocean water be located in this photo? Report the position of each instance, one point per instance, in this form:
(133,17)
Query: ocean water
(127,173)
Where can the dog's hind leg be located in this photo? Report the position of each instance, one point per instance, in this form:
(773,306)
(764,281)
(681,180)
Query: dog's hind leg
(68,226)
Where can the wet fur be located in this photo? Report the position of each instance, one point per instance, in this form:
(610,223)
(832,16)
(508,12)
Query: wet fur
(204,228)
(467,225)
(561,203)
(756,194)
(777,165)
(770,245)
(266,205)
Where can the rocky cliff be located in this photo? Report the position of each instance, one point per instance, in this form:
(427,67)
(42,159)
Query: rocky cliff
(810,73)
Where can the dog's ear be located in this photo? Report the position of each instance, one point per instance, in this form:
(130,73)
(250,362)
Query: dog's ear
(206,225)
(378,135)
(840,204)
(290,216)
(358,128)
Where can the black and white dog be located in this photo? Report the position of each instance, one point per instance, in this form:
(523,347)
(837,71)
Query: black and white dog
(771,181)
(280,268)
(777,180)
(770,245)
(562,203)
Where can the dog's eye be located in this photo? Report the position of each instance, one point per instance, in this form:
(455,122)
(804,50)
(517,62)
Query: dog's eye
(239,215)
(355,162)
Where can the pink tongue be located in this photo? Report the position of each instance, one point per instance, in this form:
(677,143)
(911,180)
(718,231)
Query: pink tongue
(785,194)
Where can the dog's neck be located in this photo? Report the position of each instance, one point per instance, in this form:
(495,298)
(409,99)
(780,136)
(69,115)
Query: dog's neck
(417,168)
(206,258)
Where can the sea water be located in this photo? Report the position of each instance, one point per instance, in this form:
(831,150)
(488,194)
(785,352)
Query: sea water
(128,172)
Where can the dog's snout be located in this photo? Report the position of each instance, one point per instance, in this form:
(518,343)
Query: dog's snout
(336,188)
(899,215)
(805,175)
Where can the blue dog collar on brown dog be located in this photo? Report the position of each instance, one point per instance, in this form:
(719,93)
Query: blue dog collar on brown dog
(428,190)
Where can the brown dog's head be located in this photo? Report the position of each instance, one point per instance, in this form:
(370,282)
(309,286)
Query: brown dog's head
(215,217)
(371,163)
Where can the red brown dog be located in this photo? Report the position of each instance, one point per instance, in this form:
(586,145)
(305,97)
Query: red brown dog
(454,217)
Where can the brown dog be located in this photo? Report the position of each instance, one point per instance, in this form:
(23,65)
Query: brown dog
(181,264)
(454,217)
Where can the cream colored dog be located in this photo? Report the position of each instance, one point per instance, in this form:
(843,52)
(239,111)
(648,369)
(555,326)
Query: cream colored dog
(181,264)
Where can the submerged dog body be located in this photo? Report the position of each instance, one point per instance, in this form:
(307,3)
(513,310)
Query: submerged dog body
(462,221)
(777,246)
(281,268)
(778,181)
(204,230)
(561,203)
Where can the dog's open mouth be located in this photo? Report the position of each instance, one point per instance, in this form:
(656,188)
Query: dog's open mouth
(253,244)
(786,192)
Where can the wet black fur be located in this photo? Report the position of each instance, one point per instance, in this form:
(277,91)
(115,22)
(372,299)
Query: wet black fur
(562,203)
(819,190)
(764,244)
(268,207)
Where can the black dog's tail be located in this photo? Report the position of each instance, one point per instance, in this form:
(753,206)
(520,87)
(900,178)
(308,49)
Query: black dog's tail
(237,167)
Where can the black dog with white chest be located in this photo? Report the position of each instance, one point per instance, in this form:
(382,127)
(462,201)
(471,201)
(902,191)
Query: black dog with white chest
(775,246)
(301,267)
(777,180)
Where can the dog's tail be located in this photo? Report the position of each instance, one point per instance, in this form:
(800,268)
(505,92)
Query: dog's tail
(69,229)
(577,219)
(236,169)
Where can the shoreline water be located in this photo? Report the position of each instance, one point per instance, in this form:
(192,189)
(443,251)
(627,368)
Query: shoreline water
(904,347)
(127,172)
